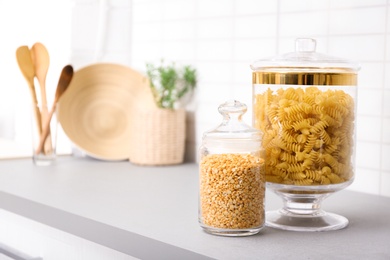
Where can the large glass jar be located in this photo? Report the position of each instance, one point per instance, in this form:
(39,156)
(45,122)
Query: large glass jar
(305,105)
(231,176)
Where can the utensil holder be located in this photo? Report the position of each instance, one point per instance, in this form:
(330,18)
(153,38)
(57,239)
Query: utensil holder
(43,147)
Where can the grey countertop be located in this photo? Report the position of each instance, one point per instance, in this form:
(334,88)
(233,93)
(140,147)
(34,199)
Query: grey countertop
(151,213)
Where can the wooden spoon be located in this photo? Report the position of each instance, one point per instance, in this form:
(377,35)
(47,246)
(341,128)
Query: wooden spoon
(26,65)
(63,83)
(41,60)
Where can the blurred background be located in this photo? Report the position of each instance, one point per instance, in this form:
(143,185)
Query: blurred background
(221,38)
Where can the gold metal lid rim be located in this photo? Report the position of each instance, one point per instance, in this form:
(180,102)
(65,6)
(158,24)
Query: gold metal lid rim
(327,78)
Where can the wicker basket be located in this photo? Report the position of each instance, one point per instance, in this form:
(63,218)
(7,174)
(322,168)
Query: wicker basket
(158,137)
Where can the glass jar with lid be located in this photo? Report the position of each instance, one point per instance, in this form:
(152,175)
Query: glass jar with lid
(231,176)
(304,103)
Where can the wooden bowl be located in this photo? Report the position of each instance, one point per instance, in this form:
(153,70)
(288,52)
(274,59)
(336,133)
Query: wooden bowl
(96,110)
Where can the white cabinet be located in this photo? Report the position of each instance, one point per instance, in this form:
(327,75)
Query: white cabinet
(39,241)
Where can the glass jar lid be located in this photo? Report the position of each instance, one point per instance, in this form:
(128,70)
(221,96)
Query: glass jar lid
(305,66)
(306,57)
(232,134)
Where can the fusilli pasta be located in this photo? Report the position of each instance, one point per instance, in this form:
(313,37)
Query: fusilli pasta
(307,135)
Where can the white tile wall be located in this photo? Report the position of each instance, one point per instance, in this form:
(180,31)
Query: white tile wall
(101,32)
(222,37)
(385,157)
(215,8)
(366,132)
(386,130)
(356,3)
(387,67)
(255,26)
(338,18)
(371,75)
(303,23)
(386,104)
(367,180)
(359,47)
(247,7)
(366,106)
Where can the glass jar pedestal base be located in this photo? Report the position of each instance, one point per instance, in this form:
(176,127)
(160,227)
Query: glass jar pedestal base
(323,221)
(302,208)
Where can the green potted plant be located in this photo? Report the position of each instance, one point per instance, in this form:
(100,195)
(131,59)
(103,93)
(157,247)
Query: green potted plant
(170,84)
(162,131)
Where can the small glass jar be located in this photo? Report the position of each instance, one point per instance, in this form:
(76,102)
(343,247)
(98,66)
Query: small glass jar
(304,103)
(231,175)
